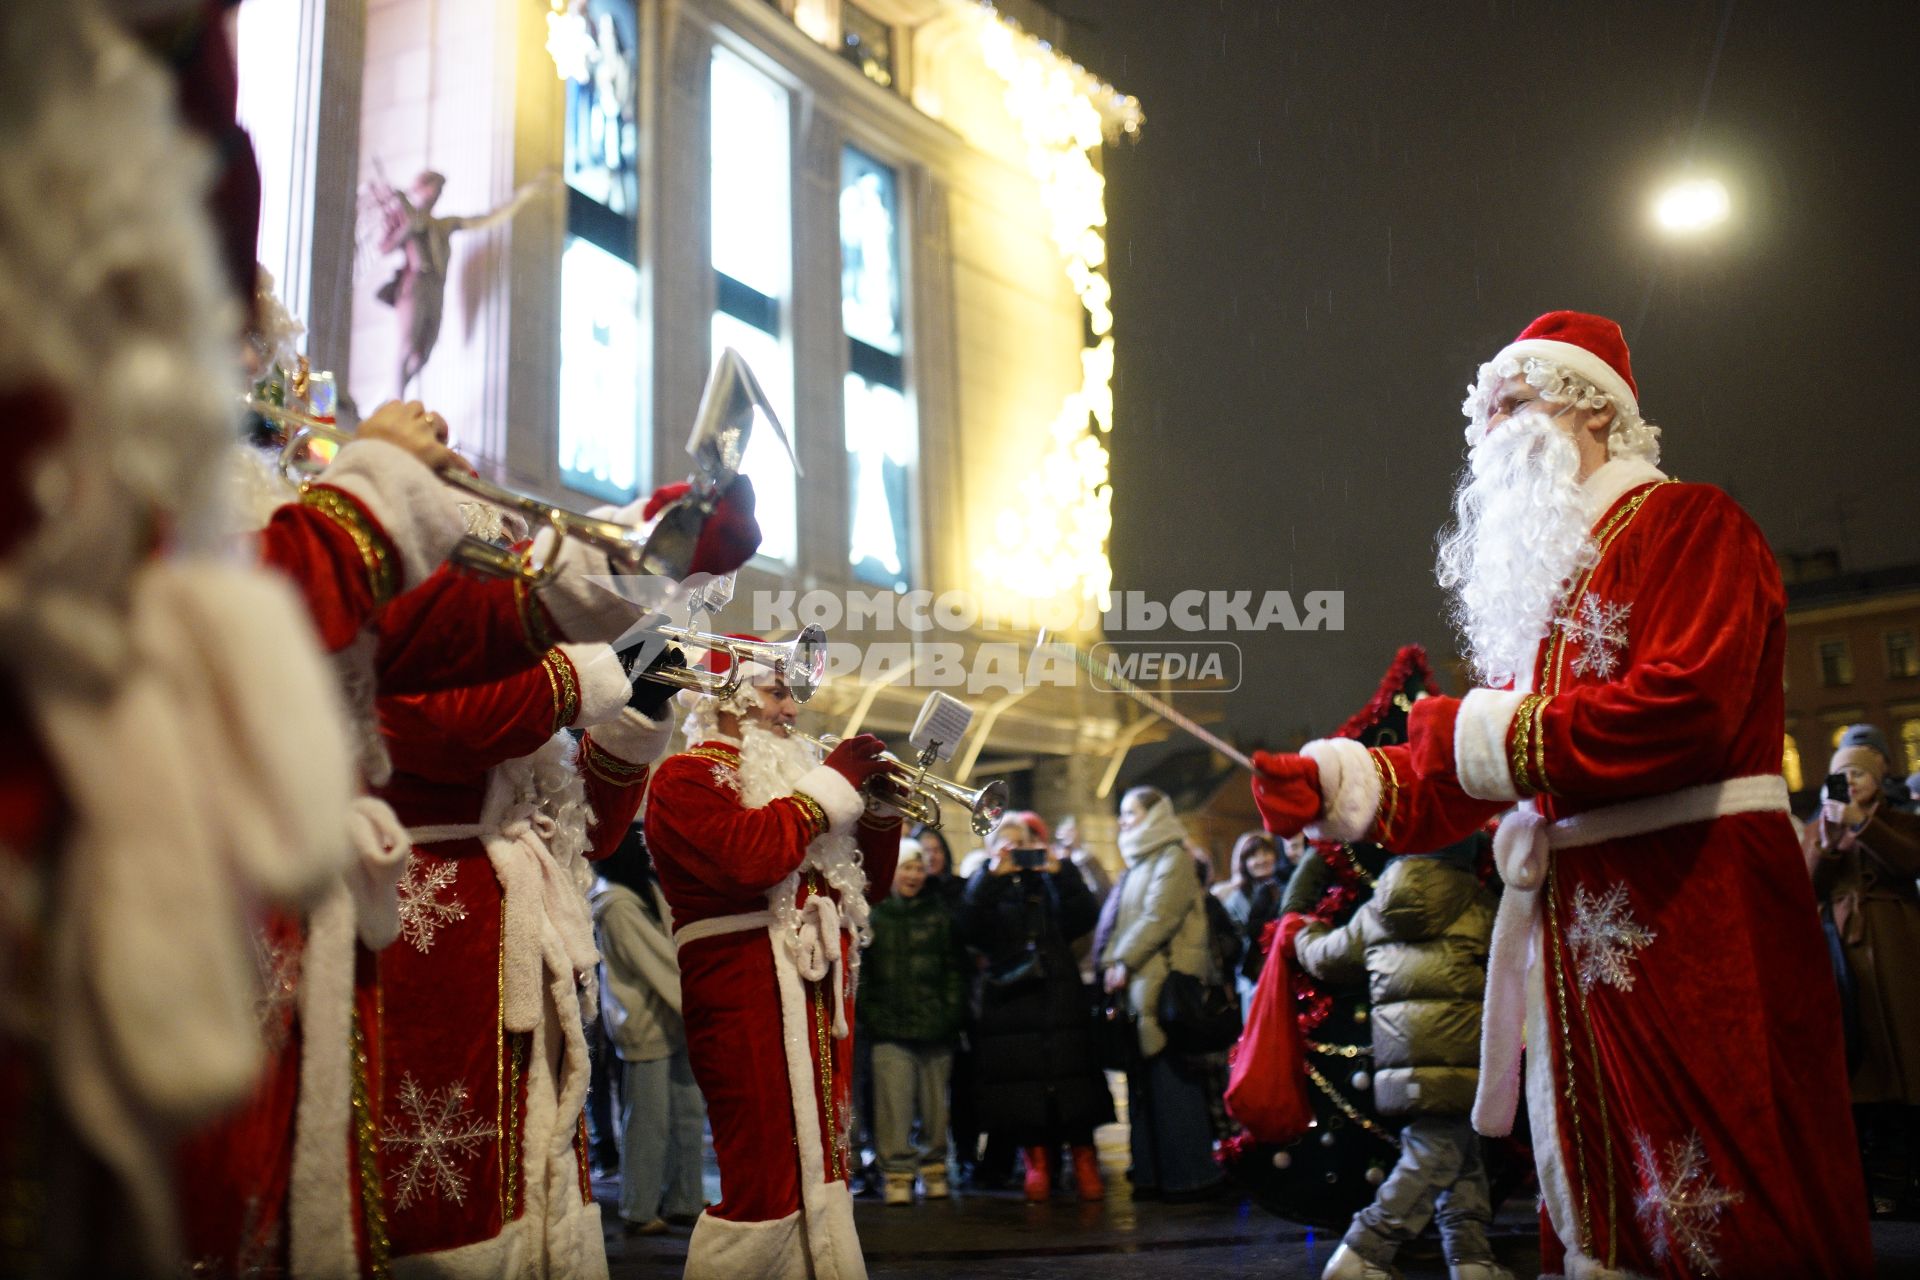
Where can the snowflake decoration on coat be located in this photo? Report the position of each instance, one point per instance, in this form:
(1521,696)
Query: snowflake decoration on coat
(1679,1205)
(1599,630)
(1605,938)
(438,1130)
(422,913)
(279,966)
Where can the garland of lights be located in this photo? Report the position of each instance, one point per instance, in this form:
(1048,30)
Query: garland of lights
(1051,541)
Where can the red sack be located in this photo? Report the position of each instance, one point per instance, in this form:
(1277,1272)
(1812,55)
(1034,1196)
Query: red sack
(1267,1081)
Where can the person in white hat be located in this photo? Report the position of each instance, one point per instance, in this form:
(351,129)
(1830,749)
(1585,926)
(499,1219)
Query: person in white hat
(1684,1073)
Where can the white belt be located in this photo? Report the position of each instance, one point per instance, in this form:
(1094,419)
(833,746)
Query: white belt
(746,922)
(815,944)
(446,833)
(1520,851)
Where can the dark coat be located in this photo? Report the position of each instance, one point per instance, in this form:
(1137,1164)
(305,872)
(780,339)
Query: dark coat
(913,976)
(1035,1069)
(1865,883)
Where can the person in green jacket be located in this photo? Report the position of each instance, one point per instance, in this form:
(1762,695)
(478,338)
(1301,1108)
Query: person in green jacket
(912,1006)
(1420,943)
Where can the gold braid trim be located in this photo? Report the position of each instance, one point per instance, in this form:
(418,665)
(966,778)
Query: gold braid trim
(373,1209)
(516,1070)
(1526,748)
(566,688)
(609,768)
(719,755)
(815,814)
(535,628)
(376,552)
(823,1047)
(1603,540)
(1389,792)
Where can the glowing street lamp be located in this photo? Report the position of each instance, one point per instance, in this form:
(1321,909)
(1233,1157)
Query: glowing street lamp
(1690,206)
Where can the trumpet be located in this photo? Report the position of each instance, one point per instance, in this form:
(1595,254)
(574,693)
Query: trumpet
(917,793)
(627,549)
(801,661)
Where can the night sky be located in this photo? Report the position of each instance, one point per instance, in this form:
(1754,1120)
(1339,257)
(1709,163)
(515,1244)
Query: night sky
(1337,211)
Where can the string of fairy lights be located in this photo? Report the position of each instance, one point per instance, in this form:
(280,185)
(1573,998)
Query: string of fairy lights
(1049,541)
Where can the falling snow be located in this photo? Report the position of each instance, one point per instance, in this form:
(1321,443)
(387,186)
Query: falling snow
(1679,1205)
(438,1131)
(1606,938)
(422,913)
(1599,631)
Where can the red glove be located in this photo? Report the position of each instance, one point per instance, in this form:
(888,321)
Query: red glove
(663,497)
(731,535)
(1286,790)
(858,760)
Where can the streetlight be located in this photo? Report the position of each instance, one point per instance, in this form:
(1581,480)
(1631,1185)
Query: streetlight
(1691,205)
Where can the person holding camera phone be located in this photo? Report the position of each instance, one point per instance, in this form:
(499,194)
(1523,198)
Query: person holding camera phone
(1037,1079)
(1864,855)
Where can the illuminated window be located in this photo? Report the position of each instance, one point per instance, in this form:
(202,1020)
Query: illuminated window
(599,440)
(1910,744)
(867,43)
(602,132)
(752,233)
(1790,765)
(1836,663)
(1903,655)
(1839,732)
(599,334)
(880,436)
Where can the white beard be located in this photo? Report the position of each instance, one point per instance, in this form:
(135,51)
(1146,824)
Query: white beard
(770,765)
(1520,535)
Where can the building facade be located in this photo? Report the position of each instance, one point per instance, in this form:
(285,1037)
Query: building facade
(892,208)
(1853,657)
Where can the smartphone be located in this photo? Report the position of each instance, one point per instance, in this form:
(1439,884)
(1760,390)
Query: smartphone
(1838,788)
(1030,859)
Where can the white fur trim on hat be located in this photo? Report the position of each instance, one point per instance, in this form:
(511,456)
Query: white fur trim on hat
(1480,732)
(835,794)
(1576,360)
(632,737)
(603,682)
(1349,789)
(417,512)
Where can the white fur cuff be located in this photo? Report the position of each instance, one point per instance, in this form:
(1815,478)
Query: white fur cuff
(633,738)
(1349,789)
(603,682)
(1480,733)
(835,794)
(413,508)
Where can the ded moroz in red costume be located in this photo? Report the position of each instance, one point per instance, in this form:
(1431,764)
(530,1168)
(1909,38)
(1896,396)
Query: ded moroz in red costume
(768,908)
(1683,1073)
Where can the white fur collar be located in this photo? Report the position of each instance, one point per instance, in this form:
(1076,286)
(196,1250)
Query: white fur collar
(1605,486)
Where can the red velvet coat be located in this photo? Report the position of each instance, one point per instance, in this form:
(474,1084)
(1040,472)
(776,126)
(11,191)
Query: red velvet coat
(718,858)
(1685,1080)
(440,1058)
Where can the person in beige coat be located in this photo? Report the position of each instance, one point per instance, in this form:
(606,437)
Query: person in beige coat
(1864,855)
(1160,927)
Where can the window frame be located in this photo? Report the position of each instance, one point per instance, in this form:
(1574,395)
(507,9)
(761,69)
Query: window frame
(1845,644)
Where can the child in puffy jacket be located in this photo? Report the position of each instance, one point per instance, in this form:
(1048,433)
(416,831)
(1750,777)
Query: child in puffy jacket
(1421,944)
(912,1005)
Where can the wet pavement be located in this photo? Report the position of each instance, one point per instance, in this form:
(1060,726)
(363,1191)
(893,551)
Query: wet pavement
(998,1236)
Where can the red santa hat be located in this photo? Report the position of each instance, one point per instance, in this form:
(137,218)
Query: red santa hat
(1590,346)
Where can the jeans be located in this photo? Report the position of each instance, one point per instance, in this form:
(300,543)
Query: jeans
(1170,1125)
(1439,1176)
(662,1120)
(910,1078)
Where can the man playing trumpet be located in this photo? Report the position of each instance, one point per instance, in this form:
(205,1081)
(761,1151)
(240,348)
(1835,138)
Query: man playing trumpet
(766,852)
